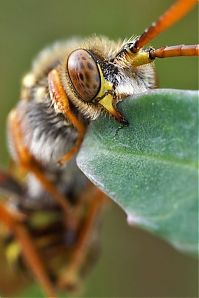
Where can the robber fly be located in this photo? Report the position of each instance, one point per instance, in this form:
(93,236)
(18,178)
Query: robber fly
(52,213)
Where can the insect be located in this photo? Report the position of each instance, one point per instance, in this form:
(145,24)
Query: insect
(53,211)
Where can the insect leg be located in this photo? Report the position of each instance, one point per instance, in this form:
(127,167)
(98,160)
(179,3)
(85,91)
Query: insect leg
(16,224)
(28,162)
(60,99)
(70,277)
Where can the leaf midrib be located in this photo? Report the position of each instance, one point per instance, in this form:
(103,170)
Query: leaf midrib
(191,165)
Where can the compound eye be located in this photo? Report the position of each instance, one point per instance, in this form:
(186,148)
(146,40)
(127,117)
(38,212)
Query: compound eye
(84,74)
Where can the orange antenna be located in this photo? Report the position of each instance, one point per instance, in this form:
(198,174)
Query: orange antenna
(172,15)
(174,51)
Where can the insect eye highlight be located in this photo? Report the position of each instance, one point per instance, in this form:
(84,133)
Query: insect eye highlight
(84,74)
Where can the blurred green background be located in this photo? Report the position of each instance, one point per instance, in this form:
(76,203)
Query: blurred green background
(133,263)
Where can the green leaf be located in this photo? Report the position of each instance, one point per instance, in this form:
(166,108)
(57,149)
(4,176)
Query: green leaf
(150,167)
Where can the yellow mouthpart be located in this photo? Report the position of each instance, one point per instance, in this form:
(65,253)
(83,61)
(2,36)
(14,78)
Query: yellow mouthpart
(107,101)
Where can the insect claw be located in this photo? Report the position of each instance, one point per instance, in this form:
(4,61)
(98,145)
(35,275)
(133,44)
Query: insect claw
(124,122)
(60,162)
(70,280)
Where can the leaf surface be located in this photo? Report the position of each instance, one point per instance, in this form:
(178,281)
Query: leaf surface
(150,168)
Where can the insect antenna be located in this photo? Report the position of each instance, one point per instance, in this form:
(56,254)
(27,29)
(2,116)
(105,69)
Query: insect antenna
(174,51)
(167,19)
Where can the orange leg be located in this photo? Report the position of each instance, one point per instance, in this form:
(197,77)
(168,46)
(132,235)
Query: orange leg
(28,162)
(15,223)
(70,277)
(60,99)
(172,15)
